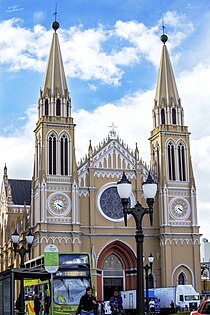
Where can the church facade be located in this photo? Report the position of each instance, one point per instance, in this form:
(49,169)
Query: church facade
(76,206)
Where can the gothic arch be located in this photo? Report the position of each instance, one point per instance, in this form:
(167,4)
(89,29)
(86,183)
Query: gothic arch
(187,273)
(50,132)
(170,150)
(127,258)
(181,156)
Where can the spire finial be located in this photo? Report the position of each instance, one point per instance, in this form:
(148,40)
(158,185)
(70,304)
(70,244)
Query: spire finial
(55,24)
(55,13)
(163,37)
(112,132)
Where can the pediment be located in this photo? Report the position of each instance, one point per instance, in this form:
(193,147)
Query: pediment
(112,156)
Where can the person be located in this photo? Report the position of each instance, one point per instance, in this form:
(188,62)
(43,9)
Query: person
(88,304)
(37,305)
(115,303)
(17,304)
(172,307)
(152,306)
(47,300)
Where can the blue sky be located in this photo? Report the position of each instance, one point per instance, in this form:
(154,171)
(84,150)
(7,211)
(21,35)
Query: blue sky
(111,51)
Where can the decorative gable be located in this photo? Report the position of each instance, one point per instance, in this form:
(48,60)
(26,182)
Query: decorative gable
(108,159)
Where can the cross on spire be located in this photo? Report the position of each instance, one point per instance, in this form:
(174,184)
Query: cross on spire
(55,13)
(163,26)
(112,132)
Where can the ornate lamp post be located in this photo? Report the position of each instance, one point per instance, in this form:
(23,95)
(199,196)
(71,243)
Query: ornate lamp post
(147,268)
(138,212)
(22,251)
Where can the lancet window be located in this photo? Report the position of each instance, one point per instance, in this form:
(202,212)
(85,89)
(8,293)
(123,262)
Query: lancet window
(181,278)
(64,155)
(58,107)
(181,162)
(46,107)
(52,154)
(163,119)
(173,116)
(171,161)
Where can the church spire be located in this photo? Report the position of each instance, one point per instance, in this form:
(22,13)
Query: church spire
(167,108)
(55,79)
(54,89)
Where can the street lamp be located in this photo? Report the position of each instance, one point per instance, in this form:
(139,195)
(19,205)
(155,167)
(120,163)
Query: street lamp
(138,212)
(22,251)
(147,268)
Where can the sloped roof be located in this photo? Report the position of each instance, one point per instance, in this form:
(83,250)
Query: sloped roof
(21,191)
(55,79)
(166,84)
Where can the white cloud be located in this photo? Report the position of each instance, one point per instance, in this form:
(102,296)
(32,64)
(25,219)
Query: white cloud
(88,54)
(92,87)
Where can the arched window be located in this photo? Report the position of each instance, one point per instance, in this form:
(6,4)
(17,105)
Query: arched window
(150,281)
(64,155)
(181,278)
(171,161)
(52,154)
(112,262)
(173,116)
(58,107)
(67,109)
(163,119)
(181,161)
(46,107)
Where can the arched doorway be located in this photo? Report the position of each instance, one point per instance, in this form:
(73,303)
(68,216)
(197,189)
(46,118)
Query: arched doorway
(117,266)
(113,276)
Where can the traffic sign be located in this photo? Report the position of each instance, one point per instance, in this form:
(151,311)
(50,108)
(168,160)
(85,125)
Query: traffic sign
(51,258)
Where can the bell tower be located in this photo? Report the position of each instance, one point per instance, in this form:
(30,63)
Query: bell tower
(176,199)
(54,183)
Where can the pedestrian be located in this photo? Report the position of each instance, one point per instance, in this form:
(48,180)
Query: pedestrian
(88,304)
(17,304)
(37,305)
(115,303)
(152,306)
(172,307)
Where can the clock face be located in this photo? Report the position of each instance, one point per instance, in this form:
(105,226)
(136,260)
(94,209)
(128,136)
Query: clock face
(59,204)
(179,208)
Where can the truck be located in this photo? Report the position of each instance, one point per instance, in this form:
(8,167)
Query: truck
(129,300)
(184,297)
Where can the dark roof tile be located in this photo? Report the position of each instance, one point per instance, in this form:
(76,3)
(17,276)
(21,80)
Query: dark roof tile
(21,191)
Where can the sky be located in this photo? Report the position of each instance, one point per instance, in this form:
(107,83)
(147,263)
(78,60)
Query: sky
(111,52)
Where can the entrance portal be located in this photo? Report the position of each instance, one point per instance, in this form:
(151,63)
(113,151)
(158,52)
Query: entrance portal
(109,285)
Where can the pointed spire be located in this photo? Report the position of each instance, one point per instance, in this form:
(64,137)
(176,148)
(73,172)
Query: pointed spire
(55,80)
(5,170)
(90,150)
(166,84)
(167,108)
(136,152)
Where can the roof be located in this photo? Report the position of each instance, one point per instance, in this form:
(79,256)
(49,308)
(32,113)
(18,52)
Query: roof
(166,84)
(21,191)
(24,273)
(55,79)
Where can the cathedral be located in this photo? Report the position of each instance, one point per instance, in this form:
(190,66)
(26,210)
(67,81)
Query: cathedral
(75,205)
